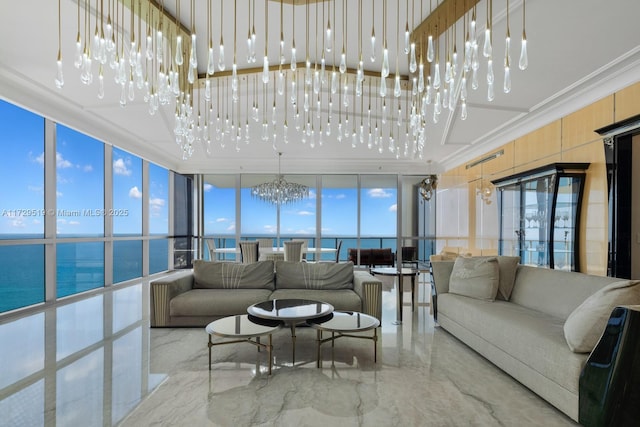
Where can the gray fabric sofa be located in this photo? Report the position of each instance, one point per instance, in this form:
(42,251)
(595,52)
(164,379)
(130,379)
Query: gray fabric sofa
(523,336)
(213,290)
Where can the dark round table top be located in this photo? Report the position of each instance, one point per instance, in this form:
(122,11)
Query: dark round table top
(290,309)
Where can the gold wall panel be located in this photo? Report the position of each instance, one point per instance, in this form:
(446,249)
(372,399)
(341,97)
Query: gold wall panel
(538,144)
(578,128)
(627,102)
(502,163)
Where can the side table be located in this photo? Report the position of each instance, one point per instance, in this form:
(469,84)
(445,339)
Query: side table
(243,328)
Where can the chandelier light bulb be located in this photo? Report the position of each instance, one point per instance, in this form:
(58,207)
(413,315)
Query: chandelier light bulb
(59,76)
(383,87)
(77,59)
(430,49)
(507,79)
(249,46)
(293,56)
(328,41)
(436,75)
(178,57)
(397,90)
(343,62)
(100,84)
(490,92)
(421,78)
(524,58)
(193,59)
(413,64)
(373,44)
(384,72)
(334,82)
(221,65)
(487,49)
(490,76)
(407,38)
(281,82)
(463,88)
(211,65)
(159,43)
(265,70)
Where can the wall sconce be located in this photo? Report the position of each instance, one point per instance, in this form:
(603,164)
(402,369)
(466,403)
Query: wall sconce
(485,192)
(428,186)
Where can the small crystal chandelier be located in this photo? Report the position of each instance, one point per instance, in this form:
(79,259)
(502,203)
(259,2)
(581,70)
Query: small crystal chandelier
(428,186)
(280,191)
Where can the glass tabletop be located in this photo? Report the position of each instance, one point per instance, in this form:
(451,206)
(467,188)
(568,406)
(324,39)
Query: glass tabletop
(290,309)
(392,271)
(242,326)
(345,321)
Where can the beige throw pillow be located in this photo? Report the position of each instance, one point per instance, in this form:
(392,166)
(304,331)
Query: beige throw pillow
(476,277)
(585,325)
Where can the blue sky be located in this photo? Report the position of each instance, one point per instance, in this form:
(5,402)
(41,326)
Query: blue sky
(79,182)
(339,216)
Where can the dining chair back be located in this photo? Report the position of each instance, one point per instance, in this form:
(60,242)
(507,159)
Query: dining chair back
(249,251)
(338,251)
(211,247)
(293,250)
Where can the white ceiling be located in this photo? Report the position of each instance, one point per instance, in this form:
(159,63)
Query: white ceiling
(579,51)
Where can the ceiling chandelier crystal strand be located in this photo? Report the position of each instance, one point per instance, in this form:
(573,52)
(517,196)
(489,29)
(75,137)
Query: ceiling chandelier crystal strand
(161,66)
(280,191)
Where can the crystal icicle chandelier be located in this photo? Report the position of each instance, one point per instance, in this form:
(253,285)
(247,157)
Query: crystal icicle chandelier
(280,191)
(152,56)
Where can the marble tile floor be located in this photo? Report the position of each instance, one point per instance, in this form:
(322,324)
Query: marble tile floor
(96,362)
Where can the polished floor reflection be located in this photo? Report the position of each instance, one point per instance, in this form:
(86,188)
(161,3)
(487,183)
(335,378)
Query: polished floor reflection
(96,362)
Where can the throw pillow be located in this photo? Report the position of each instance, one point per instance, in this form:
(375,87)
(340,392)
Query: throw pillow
(476,277)
(585,325)
(507,266)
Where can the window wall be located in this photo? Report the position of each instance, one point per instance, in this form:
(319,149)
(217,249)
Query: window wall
(71,206)
(360,211)
(22,209)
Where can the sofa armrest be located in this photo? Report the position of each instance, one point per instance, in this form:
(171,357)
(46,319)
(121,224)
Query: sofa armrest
(369,289)
(440,275)
(161,293)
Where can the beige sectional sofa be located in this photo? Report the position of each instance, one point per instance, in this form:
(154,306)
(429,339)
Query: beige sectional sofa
(541,332)
(217,289)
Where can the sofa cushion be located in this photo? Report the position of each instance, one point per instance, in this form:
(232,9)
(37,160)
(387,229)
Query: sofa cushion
(233,275)
(218,303)
(584,326)
(476,277)
(308,275)
(507,276)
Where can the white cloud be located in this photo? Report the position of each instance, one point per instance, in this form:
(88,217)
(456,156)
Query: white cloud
(18,222)
(222,219)
(120,167)
(155,205)
(58,193)
(61,162)
(134,193)
(39,159)
(378,193)
(232,227)
(207,187)
(393,208)
(341,196)
(87,168)
(305,213)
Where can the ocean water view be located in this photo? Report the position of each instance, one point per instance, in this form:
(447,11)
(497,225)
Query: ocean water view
(79,267)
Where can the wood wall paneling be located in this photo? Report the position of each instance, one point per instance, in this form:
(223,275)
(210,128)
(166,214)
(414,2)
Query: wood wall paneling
(538,144)
(627,102)
(578,128)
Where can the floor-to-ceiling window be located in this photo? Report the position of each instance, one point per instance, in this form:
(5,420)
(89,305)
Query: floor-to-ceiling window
(259,219)
(340,213)
(378,211)
(220,214)
(126,215)
(65,214)
(22,210)
(80,212)
(158,218)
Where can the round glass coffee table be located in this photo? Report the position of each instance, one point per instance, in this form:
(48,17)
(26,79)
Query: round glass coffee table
(243,328)
(344,323)
(290,312)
